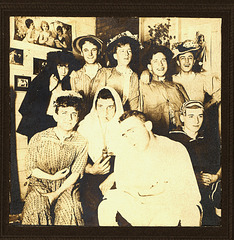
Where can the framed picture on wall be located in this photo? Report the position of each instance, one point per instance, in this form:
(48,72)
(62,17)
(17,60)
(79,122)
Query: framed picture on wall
(38,65)
(22,83)
(16,56)
(43,31)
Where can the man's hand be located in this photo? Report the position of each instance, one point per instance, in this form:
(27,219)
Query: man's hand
(100,167)
(208,178)
(107,184)
(52,196)
(61,174)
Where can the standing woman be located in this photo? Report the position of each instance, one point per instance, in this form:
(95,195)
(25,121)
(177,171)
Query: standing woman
(35,108)
(122,51)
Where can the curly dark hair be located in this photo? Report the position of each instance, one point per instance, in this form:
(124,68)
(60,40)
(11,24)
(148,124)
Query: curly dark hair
(154,50)
(69,101)
(112,48)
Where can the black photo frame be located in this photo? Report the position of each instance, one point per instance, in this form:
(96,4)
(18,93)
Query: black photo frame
(16,56)
(222,9)
(22,83)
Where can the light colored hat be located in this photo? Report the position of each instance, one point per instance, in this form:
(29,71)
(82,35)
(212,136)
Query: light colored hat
(77,45)
(132,38)
(190,104)
(184,47)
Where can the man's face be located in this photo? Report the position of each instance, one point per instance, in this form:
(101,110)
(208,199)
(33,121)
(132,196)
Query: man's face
(159,64)
(66,118)
(186,62)
(90,52)
(135,133)
(192,119)
(123,55)
(105,109)
(62,70)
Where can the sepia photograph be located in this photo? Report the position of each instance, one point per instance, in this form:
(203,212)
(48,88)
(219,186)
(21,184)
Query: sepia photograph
(40,30)
(38,65)
(22,83)
(16,56)
(121,124)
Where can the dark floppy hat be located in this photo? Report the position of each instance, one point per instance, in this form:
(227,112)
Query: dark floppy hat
(152,50)
(132,39)
(184,47)
(77,42)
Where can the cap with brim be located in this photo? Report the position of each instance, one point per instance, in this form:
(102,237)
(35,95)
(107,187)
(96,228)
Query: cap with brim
(76,44)
(128,36)
(186,46)
(190,104)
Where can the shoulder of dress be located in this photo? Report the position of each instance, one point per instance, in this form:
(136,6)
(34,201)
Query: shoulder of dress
(79,140)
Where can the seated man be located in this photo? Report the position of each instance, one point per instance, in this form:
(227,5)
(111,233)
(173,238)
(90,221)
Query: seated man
(55,160)
(204,154)
(156,185)
(99,128)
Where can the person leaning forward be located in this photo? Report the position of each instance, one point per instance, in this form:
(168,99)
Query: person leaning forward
(155,182)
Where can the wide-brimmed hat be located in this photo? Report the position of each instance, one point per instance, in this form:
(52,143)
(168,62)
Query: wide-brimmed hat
(78,42)
(128,36)
(184,47)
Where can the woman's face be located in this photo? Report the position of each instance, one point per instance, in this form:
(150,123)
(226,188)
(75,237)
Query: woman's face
(32,26)
(158,64)
(123,55)
(63,70)
(45,27)
(105,109)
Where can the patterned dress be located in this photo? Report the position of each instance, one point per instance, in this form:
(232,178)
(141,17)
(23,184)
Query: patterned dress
(48,153)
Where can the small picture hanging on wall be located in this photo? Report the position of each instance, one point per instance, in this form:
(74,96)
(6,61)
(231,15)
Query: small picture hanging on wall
(16,56)
(38,65)
(22,83)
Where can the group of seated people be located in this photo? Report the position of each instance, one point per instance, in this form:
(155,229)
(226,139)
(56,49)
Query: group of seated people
(107,148)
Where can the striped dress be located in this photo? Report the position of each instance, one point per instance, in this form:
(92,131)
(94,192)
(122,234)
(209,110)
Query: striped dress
(48,153)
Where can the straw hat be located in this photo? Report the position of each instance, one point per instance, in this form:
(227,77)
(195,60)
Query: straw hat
(78,42)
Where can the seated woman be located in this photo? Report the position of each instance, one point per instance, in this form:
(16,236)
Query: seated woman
(59,40)
(161,98)
(54,77)
(100,128)
(122,51)
(56,159)
(45,36)
(31,35)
